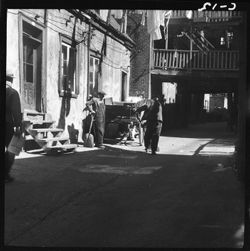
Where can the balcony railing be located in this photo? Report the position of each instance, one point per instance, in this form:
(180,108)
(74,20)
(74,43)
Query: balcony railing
(196,60)
(208,16)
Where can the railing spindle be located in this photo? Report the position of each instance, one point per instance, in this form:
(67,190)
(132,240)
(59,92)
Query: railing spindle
(182,59)
(170,59)
(167,62)
(198,60)
(157,57)
(154,56)
(234,60)
(177,59)
(226,61)
(222,59)
(214,60)
(230,60)
(160,59)
(164,60)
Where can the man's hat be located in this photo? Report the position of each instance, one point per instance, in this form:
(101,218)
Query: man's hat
(9,73)
(102,93)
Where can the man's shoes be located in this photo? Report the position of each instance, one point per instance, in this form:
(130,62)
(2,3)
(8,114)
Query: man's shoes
(8,179)
(153,153)
(101,146)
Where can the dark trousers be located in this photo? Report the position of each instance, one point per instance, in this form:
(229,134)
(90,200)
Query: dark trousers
(98,127)
(152,134)
(9,157)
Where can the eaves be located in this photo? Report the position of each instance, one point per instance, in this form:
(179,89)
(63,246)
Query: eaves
(104,27)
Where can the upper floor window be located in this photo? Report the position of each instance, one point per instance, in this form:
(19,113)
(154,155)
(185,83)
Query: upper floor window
(69,83)
(93,74)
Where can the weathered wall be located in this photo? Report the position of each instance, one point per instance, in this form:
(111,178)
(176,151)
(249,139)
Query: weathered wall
(116,60)
(68,112)
(57,106)
(12,39)
(139,81)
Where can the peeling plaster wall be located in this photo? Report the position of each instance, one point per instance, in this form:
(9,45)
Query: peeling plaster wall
(12,47)
(56,105)
(140,59)
(13,43)
(117,59)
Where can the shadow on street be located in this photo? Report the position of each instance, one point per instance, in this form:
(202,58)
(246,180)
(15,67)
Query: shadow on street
(123,197)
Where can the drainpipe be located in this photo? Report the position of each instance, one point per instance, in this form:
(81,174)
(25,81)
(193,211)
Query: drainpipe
(88,57)
(44,65)
(191,44)
(151,51)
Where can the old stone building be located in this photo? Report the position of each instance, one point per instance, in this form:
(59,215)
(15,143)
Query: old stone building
(60,56)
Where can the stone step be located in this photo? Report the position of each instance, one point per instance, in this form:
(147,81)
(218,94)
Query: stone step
(28,124)
(56,141)
(46,130)
(51,150)
(43,124)
(39,133)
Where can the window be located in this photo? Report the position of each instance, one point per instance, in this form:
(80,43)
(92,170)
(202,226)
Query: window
(124,86)
(69,83)
(31,47)
(93,74)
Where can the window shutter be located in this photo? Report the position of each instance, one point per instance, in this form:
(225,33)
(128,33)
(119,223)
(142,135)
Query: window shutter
(72,68)
(77,91)
(68,60)
(60,80)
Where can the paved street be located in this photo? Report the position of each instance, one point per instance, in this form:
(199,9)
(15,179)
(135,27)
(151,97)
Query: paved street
(186,196)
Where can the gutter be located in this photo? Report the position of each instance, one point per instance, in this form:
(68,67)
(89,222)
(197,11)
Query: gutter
(99,24)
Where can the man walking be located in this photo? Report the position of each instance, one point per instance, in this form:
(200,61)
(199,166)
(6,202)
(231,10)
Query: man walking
(97,107)
(153,116)
(13,122)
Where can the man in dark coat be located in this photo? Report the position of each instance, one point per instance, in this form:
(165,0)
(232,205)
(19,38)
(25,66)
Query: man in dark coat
(13,122)
(97,107)
(153,115)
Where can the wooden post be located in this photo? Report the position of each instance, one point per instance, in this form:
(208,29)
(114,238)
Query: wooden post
(88,57)
(151,51)
(166,38)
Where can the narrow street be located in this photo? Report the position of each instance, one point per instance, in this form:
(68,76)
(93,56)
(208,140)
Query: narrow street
(186,196)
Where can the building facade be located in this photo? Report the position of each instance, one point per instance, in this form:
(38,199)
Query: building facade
(60,57)
(200,52)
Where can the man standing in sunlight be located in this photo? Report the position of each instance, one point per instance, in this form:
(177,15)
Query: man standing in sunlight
(153,116)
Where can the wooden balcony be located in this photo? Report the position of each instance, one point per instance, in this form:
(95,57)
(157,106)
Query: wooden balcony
(182,60)
(207,16)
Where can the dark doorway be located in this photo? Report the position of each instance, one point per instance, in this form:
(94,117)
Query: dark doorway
(124,86)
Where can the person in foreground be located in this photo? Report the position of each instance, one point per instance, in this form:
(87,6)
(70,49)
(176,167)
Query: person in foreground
(153,116)
(13,122)
(97,108)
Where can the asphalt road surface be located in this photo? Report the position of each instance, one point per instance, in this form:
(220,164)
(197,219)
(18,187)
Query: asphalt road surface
(186,196)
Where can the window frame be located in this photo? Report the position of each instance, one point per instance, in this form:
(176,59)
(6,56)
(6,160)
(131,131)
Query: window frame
(95,72)
(67,42)
(41,104)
